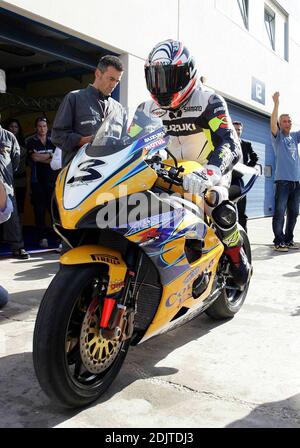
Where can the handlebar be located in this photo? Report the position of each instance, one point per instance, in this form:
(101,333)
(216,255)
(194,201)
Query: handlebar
(172,176)
(165,176)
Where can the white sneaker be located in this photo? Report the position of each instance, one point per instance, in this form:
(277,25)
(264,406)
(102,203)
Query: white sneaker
(293,245)
(280,247)
(44,243)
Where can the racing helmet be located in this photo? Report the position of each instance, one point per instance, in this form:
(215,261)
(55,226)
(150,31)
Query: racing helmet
(170,74)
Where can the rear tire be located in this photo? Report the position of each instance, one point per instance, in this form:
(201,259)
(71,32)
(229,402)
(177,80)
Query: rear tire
(230,302)
(57,341)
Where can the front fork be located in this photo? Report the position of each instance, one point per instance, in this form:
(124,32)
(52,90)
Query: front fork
(122,324)
(117,295)
(117,317)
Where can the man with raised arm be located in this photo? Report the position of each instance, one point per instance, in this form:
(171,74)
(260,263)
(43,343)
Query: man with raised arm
(287,178)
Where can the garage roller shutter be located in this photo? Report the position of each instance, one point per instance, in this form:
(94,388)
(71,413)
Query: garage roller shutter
(260,200)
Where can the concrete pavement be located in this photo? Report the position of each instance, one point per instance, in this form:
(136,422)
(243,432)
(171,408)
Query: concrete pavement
(239,373)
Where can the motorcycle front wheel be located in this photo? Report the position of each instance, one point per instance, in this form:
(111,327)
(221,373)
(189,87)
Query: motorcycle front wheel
(73,363)
(231,300)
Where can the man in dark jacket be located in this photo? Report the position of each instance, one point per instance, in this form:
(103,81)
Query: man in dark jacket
(82,112)
(250,158)
(40,150)
(9,162)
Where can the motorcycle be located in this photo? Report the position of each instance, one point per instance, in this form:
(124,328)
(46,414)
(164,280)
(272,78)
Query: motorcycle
(131,272)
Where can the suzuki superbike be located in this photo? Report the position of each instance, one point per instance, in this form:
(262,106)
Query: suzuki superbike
(141,261)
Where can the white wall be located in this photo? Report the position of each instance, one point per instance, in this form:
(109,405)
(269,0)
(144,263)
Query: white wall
(133,88)
(128,26)
(227,54)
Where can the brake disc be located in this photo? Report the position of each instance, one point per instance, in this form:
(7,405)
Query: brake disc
(97,352)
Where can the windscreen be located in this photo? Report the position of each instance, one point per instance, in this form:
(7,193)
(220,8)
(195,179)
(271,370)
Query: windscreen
(108,142)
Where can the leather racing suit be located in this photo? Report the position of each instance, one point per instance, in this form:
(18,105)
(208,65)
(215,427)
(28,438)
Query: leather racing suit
(201,130)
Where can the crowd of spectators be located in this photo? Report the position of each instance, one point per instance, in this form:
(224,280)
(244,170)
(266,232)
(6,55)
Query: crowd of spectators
(25,164)
(76,123)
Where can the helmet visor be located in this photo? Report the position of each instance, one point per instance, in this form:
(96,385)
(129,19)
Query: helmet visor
(162,79)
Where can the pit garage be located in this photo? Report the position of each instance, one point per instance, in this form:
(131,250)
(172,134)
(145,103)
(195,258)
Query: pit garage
(39,65)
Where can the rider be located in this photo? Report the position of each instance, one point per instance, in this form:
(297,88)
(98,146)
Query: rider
(200,129)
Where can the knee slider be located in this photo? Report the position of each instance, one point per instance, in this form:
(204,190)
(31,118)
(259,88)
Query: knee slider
(224,215)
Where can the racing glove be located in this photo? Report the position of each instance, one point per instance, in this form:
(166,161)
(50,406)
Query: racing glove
(203,179)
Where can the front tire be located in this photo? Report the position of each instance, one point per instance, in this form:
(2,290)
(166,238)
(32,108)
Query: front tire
(230,301)
(66,327)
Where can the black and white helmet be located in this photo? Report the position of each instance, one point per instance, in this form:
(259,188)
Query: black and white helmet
(170,73)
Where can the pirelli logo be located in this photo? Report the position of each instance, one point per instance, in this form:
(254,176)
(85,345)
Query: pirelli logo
(111,259)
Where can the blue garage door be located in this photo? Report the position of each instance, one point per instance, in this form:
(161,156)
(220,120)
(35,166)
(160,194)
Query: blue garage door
(260,200)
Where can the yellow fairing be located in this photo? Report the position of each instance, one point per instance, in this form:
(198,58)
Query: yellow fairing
(178,293)
(97,254)
(108,190)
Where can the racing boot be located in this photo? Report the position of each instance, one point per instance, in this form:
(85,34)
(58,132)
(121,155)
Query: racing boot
(225,220)
(239,265)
